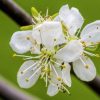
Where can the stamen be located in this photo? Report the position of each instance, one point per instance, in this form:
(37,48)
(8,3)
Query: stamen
(34,73)
(29,68)
(46,79)
(55,62)
(55,71)
(47,13)
(46,70)
(52,83)
(24,56)
(29,37)
(26,79)
(40,18)
(34,21)
(91,54)
(87,66)
(65,89)
(27,57)
(50,66)
(83,43)
(83,61)
(41,37)
(37,57)
(36,66)
(63,66)
(59,78)
(42,74)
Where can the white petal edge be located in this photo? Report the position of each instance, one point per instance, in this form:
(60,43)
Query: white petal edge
(47,32)
(72,19)
(21,78)
(66,75)
(91,32)
(70,52)
(19,42)
(83,73)
(52,89)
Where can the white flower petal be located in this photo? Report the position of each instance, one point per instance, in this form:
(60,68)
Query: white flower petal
(23,76)
(54,84)
(83,73)
(55,76)
(72,19)
(91,33)
(35,50)
(70,52)
(47,32)
(19,42)
(52,89)
(63,12)
(56,18)
(66,75)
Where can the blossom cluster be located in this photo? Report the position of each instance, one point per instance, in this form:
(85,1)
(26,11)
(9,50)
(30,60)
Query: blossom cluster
(52,46)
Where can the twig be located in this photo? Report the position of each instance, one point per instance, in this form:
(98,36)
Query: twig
(10,92)
(15,12)
(21,18)
(95,85)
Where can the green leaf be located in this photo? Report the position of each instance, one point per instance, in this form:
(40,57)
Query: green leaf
(29,27)
(35,13)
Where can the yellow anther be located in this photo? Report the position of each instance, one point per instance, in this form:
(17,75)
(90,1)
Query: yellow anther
(43,50)
(87,66)
(63,65)
(28,38)
(55,39)
(49,53)
(21,72)
(26,79)
(83,43)
(46,70)
(14,54)
(59,78)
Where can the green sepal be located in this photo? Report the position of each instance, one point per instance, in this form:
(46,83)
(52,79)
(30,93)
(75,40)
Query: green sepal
(28,27)
(77,32)
(54,15)
(65,30)
(92,48)
(35,13)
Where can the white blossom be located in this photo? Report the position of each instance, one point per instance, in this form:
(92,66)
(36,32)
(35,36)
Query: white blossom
(47,38)
(76,50)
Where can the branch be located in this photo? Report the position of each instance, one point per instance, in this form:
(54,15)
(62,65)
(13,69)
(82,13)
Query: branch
(9,92)
(95,84)
(15,12)
(22,18)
